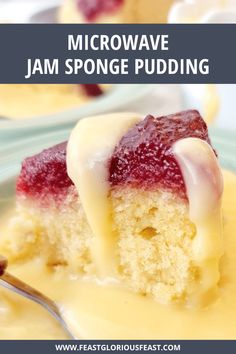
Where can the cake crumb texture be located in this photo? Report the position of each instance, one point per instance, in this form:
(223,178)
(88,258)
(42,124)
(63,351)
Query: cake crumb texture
(155,243)
(60,235)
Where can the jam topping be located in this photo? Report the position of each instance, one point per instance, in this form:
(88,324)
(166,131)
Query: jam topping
(92,90)
(144,157)
(91,9)
(45,173)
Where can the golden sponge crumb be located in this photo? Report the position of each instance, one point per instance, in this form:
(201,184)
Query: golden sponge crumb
(60,235)
(154,240)
(155,243)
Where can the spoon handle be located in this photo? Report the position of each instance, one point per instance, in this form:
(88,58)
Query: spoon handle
(18,286)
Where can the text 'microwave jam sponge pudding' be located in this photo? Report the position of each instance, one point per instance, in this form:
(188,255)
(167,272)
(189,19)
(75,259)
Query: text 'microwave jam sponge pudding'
(35,100)
(114,11)
(132,199)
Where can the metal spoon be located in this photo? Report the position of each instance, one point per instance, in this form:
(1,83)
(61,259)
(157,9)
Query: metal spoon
(10,282)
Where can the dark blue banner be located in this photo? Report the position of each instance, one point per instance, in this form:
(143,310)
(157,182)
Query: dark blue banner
(118,53)
(118,346)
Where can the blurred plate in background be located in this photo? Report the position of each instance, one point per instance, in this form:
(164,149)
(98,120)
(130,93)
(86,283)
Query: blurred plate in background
(115,99)
(217,100)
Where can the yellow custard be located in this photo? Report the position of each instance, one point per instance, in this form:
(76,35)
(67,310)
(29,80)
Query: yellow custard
(110,311)
(91,147)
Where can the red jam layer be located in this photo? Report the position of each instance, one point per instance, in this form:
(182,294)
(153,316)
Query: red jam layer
(91,9)
(144,157)
(92,90)
(45,174)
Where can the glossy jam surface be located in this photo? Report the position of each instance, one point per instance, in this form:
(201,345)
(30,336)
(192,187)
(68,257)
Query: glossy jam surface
(91,9)
(144,157)
(45,173)
(92,90)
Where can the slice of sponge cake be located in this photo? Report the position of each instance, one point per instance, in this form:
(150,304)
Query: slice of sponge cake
(142,204)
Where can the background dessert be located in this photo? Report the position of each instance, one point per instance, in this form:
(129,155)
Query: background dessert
(35,100)
(209,100)
(114,11)
(26,101)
